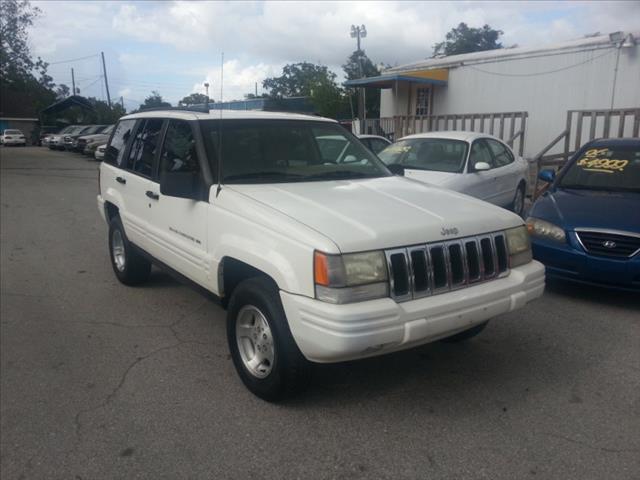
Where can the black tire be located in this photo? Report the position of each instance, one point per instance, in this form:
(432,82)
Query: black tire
(290,372)
(517,205)
(467,334)
(135,268)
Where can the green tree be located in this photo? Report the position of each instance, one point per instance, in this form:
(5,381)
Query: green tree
(62,91)
(22,93)
(309,80)
(154,101)
(298,79)
(360,66)
(16,16)
(194,99)
(463,39)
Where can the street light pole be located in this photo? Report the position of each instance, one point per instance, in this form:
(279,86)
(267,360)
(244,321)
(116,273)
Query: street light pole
(359,32)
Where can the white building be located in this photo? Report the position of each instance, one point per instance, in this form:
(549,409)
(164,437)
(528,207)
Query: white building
(594,73)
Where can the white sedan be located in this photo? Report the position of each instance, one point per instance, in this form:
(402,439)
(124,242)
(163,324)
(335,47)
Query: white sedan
(476,164)
(375,143)
(12,137)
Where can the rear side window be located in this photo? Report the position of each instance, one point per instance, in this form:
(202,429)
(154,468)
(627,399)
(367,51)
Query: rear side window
(480,153)
(501,154)
(115,151)
(143,147)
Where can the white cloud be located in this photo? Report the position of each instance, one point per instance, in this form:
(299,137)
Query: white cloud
(239,80)
(173,46)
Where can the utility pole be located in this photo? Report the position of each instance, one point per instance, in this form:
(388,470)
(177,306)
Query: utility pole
(122,102)
(73,83)
(256,89)
(106,82)
(358,33)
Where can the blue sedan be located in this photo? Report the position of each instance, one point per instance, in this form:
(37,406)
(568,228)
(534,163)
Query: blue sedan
(586,226)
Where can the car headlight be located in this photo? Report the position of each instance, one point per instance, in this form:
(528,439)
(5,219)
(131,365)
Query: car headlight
(352,277)
(544,229)
(519,246)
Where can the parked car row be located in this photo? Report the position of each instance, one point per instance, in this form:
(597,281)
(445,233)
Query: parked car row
(83,139)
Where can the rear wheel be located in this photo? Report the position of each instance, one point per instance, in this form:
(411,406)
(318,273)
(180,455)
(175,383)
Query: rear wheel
(467,334)
(130,267)
(263,350)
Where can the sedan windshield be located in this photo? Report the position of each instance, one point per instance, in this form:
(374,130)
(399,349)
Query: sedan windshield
(437,154)
(614,168)
(288,151)
(12,132)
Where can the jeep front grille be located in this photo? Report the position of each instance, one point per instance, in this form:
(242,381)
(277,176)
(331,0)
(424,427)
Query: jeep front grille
(433,268)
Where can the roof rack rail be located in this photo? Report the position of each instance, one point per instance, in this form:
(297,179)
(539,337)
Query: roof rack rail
(195,108)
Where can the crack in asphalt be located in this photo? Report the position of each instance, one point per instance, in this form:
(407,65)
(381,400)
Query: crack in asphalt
(593,447)
(123,378)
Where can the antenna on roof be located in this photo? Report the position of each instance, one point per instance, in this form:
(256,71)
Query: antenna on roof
(220,125)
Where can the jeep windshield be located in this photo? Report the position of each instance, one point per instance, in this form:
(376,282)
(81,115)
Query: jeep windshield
(436,154)
(277,151)
(615,168)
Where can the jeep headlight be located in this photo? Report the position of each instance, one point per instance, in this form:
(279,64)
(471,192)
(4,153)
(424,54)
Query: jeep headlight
(351,277)
(519,246)
(544,229)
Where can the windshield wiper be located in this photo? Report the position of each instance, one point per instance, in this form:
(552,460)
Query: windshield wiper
(271,175)
(337,175)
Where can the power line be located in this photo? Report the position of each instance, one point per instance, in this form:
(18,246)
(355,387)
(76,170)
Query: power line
(536,74)
(73,59)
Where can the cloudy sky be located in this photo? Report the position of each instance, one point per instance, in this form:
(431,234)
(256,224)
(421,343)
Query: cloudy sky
(174,47)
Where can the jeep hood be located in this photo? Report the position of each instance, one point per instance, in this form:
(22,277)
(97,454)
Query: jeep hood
(435,178)
(385,212)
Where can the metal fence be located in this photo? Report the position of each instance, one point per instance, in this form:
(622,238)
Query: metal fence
(510,127)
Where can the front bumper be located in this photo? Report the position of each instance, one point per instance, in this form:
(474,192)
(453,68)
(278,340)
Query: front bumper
(328,333)
(568,261)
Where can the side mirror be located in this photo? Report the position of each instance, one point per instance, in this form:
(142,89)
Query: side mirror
(481,167)
(181,185)
(396,169)
(547,175)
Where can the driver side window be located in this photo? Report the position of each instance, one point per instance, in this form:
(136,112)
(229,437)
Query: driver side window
(479,153)
(179,158)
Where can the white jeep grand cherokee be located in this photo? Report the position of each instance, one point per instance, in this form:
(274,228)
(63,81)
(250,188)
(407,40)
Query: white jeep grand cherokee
(316,258)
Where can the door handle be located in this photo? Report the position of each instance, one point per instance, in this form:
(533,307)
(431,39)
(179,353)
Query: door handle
(152,195)
(121,180)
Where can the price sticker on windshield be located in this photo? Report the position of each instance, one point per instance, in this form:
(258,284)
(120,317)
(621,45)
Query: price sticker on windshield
(595,160)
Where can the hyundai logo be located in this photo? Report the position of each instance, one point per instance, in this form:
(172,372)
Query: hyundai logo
(609,244)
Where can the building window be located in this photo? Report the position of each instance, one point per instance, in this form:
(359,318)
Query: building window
(422,101)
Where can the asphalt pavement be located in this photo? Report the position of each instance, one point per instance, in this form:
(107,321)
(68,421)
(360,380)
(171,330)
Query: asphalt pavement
(99,380)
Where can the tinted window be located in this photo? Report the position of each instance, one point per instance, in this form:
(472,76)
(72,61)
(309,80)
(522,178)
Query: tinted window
(436,154)
(144,145)
(179,158)
(480,153)
(284,151)
(179,149)
(377,145)
(115,151)
(613,168)
(501,154)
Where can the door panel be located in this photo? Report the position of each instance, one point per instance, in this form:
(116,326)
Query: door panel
(139,162)
(180,224)
(505,171)
(481,184)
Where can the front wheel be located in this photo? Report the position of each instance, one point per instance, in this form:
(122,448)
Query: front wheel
(263,350)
